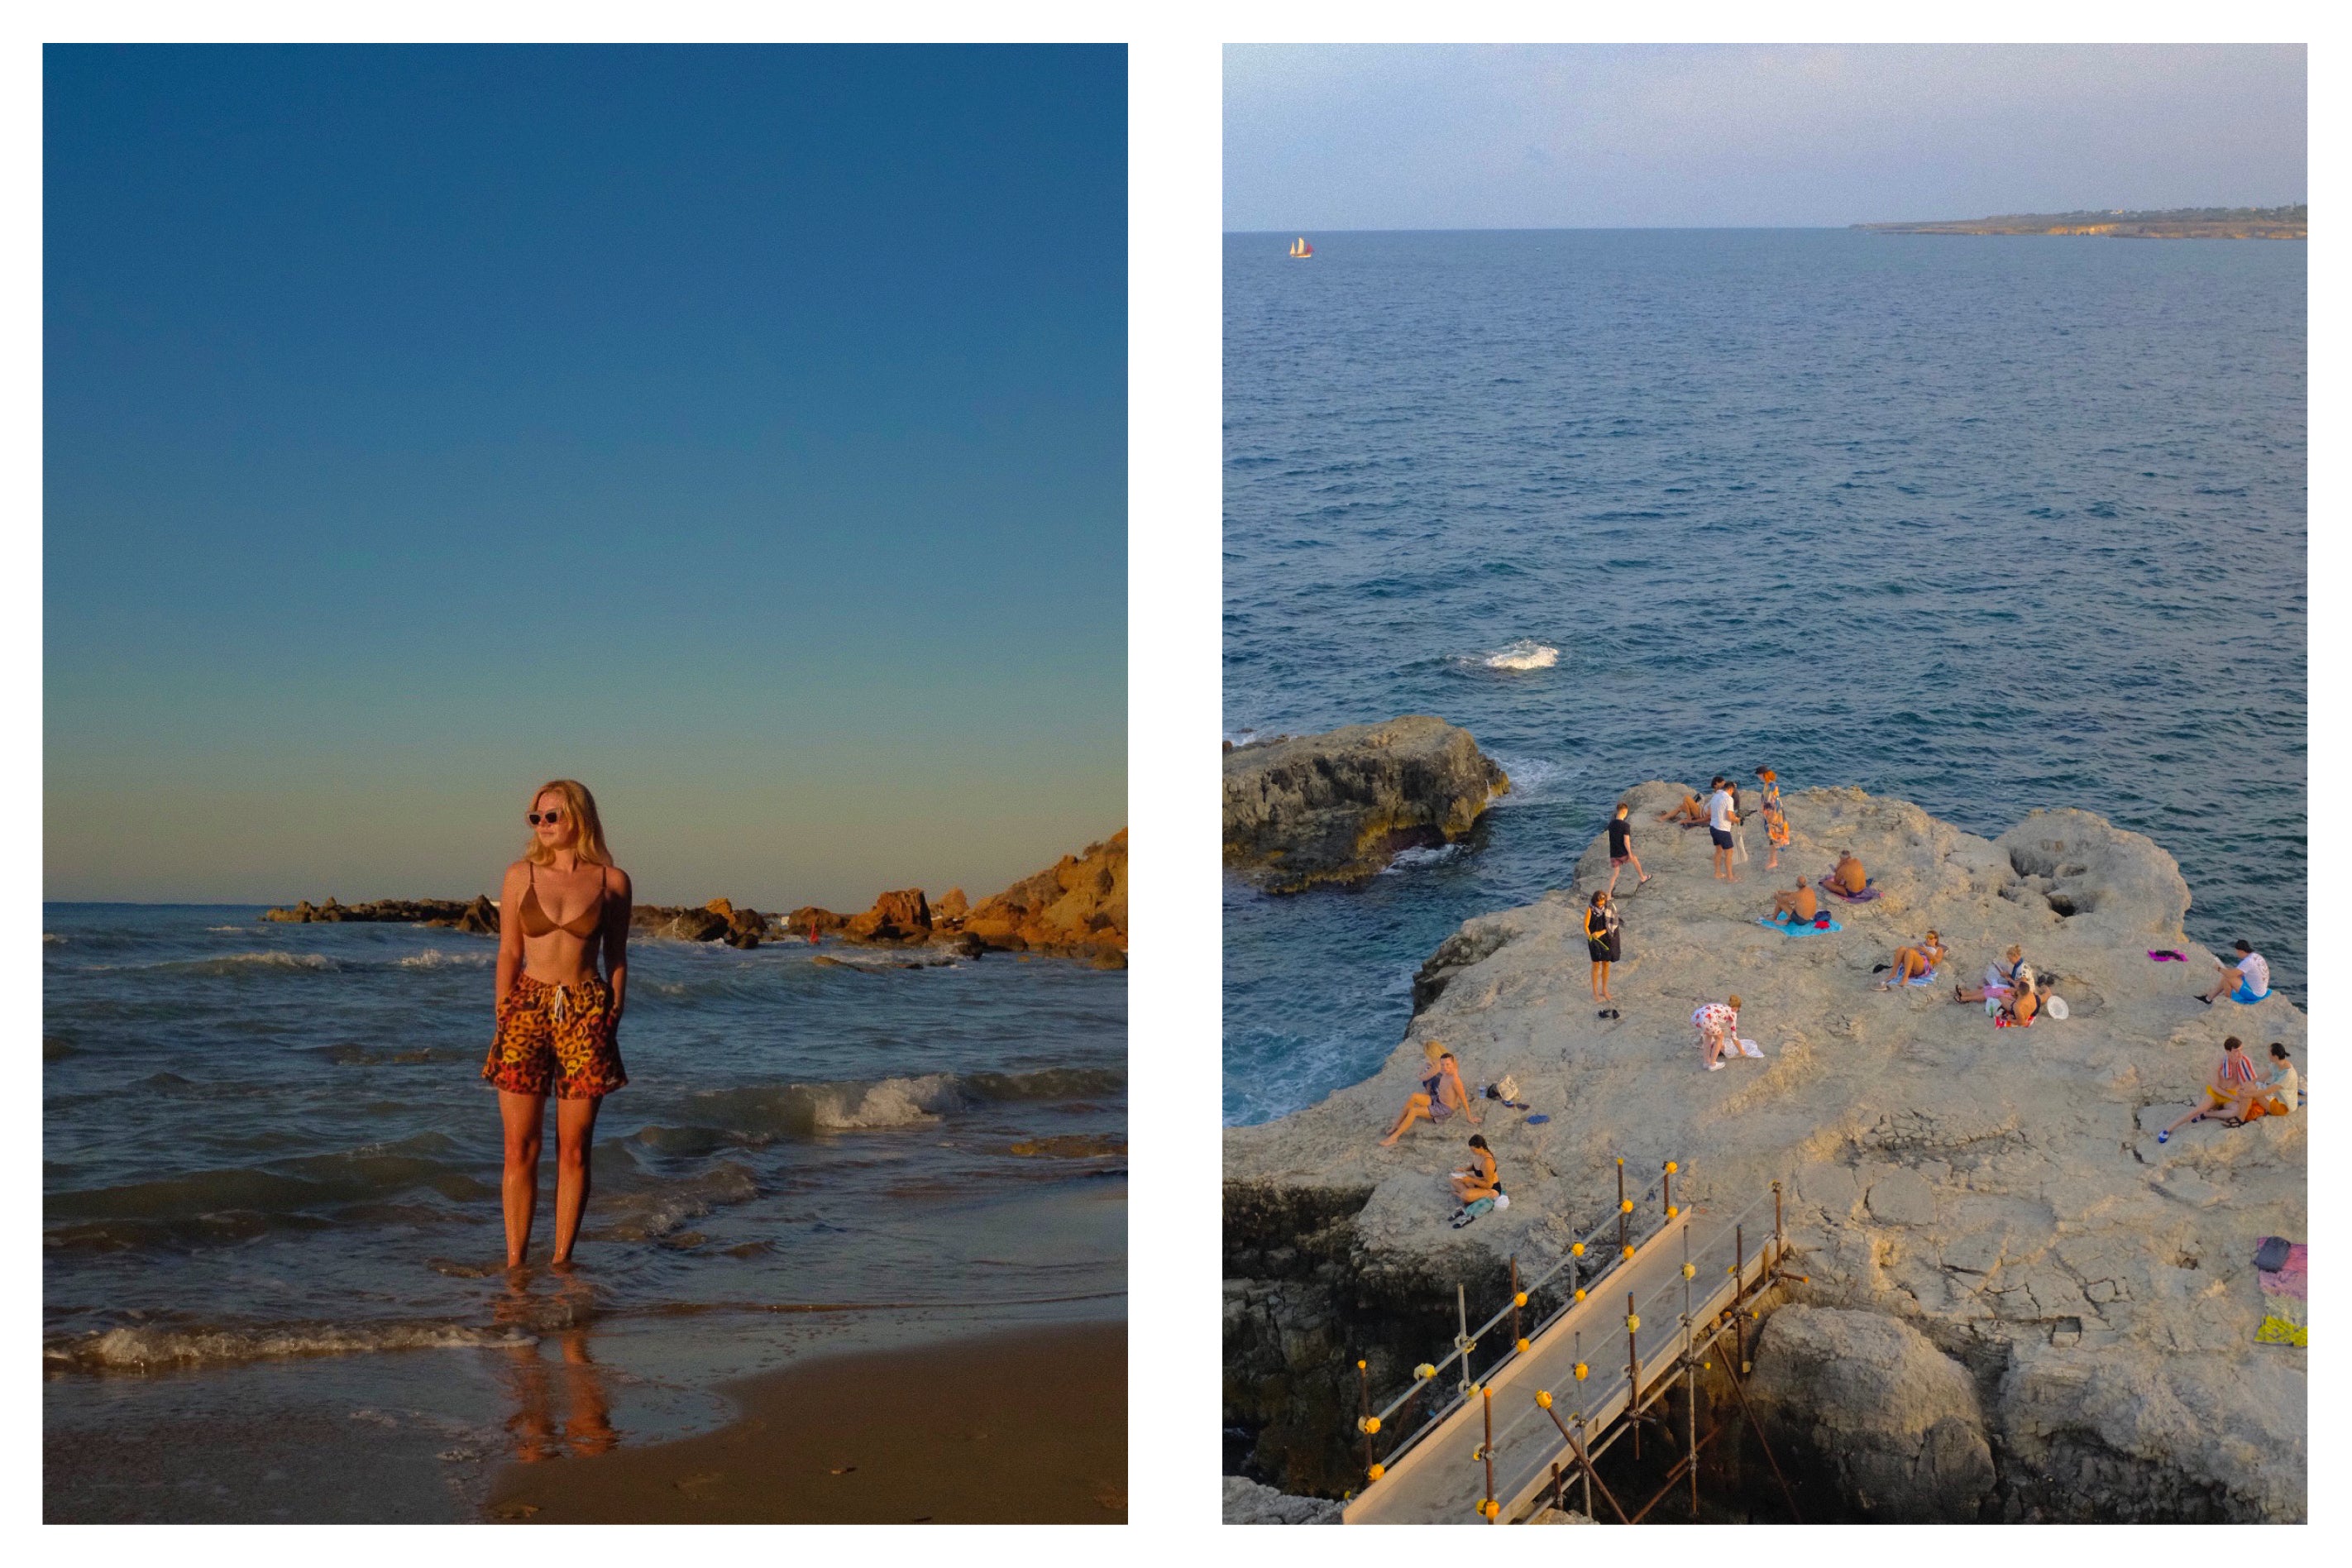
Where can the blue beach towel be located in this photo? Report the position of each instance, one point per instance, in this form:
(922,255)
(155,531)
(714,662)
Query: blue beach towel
(1807,930)
(1927,979)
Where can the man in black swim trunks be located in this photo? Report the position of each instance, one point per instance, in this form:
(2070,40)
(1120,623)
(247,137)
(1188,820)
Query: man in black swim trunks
(1620,847)
(1720,818)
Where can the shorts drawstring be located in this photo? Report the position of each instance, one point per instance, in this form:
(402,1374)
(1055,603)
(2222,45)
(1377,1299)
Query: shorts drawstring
(560,1008)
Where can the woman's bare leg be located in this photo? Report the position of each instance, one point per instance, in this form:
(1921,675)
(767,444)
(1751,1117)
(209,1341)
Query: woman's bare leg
(1603,967)
(521,1115)
(1639,876)
(575,1127)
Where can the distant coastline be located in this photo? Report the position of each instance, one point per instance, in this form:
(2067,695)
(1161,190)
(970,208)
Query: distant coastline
(2176,223)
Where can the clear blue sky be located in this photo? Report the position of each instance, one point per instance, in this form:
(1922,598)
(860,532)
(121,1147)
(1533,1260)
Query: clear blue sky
(740,430)
(1771,135)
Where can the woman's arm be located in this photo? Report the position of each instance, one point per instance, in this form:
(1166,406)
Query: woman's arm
(510,929)
(617,906)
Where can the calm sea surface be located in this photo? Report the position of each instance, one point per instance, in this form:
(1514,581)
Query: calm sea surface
(1985,523)
(271,1175)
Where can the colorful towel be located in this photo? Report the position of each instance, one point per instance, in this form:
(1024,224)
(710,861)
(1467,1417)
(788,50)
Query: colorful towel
(2286,1292)
(1806,930)
(2165,955)
(1869,891)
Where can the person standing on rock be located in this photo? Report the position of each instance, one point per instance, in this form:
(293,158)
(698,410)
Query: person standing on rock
(1603,940)
(1722,816)
(1719,1032)
(2252,976)
(1775,820)
(1441,1094)
(1620,847)
(562,907)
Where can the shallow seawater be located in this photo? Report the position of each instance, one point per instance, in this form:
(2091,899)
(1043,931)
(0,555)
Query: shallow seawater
(1985,523)
(271,1177)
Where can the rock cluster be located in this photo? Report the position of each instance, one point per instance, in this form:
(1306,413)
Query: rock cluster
(1076,908)
(476,914)
(1998,1195)
(1337,808)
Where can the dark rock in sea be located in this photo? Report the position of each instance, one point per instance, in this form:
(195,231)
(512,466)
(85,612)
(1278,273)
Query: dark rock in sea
(809,917)
(479,915)
(902,916)
(1337,808)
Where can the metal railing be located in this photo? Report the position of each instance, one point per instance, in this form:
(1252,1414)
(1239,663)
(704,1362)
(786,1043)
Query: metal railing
(1630,1235)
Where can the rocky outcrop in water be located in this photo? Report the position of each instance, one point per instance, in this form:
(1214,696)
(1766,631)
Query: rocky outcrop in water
(1076,907)
(476,914)
(900,917)
(1997,1194)
(1337,808)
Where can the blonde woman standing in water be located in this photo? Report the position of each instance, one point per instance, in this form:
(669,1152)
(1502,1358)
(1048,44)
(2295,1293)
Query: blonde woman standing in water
(562,907)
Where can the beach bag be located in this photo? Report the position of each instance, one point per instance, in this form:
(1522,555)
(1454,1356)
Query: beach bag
(1506,1088)
(2271,1253)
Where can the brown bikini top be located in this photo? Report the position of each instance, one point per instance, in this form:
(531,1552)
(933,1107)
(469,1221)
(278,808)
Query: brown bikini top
(535,921)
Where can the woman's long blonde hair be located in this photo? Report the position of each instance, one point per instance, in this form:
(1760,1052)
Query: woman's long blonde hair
(588,837)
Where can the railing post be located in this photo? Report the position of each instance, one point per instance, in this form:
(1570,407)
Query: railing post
(1667,1189)
(1486,1449)
(1780,1244)
(1364,1387)
(1738,1296)
(1621,1206)
(1632,1374)
(1462,1337)
(1516,1293)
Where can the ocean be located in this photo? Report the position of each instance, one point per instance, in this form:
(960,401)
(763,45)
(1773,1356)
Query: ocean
(271,1198)
(1986,523)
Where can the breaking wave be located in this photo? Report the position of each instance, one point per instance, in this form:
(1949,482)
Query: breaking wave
(1525,654)
(131,1348)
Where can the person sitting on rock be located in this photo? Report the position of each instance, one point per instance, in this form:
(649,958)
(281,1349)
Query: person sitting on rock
(2252,976)
(1690,813)
(1480,1178)
(2277,1096)
(1719,1032)
(2023,1005)
(1797,906)
(1999,980)
(1440,1096)
(2233,1079)
(1915,962)
(1848,877)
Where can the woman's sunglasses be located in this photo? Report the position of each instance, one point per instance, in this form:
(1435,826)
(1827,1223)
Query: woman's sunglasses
(535,819)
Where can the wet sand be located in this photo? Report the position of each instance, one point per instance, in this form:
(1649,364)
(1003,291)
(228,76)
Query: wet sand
(1026,1427)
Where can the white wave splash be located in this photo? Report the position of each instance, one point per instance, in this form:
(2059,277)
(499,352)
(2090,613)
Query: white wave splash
(127,1348)
(50,936)
(1431,855)
(891,1102)
(434,958)
(1525,654)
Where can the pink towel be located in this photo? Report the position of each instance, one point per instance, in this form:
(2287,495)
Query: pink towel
(2295,1279)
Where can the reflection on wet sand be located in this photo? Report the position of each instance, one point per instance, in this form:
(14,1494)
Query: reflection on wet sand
(587,1428)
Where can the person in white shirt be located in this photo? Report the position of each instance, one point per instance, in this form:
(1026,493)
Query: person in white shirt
(2252,976)
(2277,1096)
(1722,816)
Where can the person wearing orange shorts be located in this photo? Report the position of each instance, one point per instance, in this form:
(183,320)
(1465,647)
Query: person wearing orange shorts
(563,907)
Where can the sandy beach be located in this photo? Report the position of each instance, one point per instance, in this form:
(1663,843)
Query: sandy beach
(1025,1426)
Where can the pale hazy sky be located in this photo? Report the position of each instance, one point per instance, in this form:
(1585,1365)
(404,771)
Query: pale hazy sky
(1607,136)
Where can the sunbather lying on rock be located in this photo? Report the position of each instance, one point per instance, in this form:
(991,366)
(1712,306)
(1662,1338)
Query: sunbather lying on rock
(1915,962)
(1440,1096)
(1848,878)
(2233,1079)
(1478,1179)
(1690,813)
(1799,904)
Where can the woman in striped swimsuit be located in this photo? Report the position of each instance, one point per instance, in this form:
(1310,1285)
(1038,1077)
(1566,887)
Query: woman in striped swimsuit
(563,906)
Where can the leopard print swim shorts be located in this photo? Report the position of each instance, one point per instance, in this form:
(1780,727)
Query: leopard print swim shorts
(556,1039)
